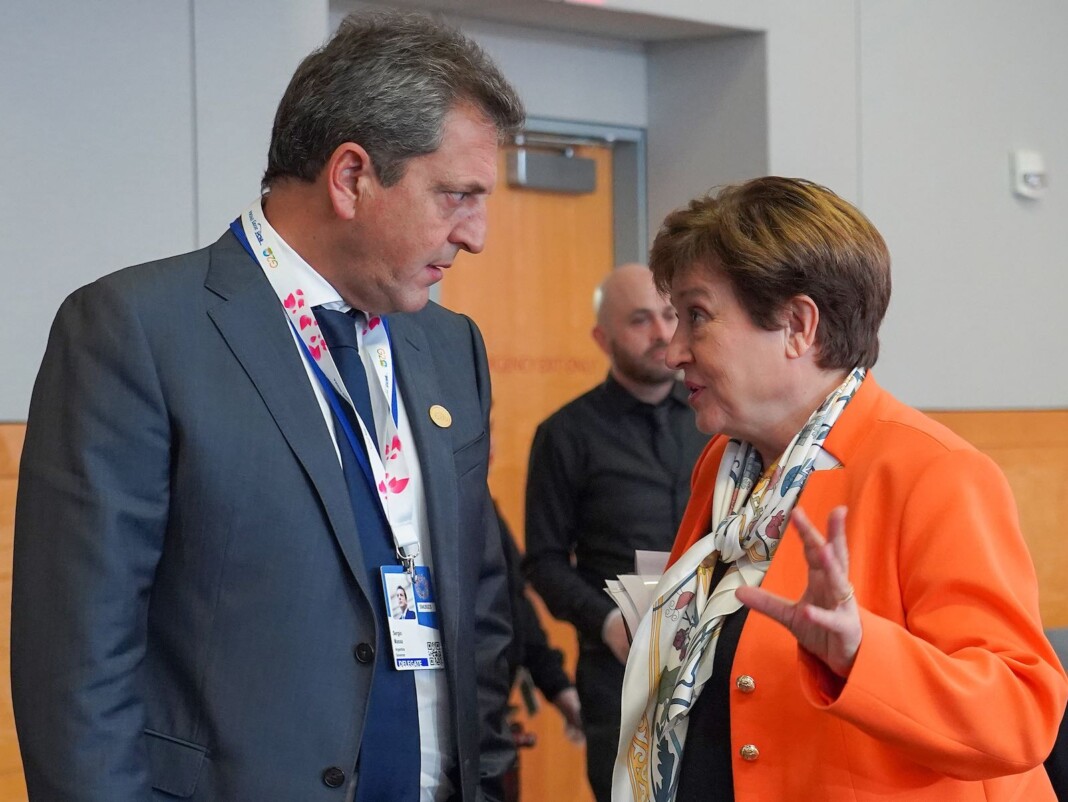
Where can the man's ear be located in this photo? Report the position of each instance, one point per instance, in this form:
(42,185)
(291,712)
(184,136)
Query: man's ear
(800,319)
(350,177)
(601,338)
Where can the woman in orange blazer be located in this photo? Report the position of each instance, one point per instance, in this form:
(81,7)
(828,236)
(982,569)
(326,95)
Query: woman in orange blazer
(901,656)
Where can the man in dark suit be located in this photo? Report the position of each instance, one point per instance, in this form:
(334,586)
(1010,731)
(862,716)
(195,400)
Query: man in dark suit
(211,498)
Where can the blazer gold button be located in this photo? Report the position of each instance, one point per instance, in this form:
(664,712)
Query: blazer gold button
(745,683)
(440,416)
(749,752)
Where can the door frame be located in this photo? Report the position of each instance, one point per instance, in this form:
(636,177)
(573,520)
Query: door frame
(630,235)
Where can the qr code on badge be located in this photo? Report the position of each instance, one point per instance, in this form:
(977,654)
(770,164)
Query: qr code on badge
(433,650)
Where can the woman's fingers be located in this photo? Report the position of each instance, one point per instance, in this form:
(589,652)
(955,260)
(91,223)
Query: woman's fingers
(826,619)
(836,535)
(827,558)
(775,607)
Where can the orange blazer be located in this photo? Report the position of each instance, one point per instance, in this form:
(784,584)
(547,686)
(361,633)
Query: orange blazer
(955,694)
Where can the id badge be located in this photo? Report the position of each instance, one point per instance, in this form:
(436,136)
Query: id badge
(413,618)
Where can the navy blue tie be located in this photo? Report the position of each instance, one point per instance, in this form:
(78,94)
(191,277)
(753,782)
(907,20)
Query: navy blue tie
(389,760)
(339,330)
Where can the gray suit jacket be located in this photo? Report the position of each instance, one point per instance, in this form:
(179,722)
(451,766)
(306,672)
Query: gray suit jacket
(188,585)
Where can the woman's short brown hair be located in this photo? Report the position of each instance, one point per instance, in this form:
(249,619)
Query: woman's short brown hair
(776,238)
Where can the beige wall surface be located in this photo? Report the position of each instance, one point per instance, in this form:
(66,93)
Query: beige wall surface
(140,133)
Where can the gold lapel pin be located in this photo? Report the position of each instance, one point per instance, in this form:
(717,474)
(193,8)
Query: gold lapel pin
(440,416)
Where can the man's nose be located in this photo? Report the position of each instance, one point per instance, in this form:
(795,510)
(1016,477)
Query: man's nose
(470,233)
(665,328)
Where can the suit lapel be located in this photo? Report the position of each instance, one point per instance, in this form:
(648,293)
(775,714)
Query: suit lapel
(251,321)
(417,381)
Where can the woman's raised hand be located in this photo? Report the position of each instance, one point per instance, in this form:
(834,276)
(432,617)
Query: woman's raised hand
(826,619)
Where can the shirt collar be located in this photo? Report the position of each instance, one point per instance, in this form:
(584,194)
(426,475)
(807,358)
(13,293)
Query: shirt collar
(317,290)
(627,402)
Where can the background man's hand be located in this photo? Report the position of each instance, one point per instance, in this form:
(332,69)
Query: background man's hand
(567,702)
(614,634)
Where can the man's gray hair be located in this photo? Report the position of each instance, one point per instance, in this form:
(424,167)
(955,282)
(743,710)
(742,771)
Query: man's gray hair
(385,81)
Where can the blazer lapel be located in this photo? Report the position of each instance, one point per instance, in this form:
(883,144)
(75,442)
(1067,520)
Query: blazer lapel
(251,321)
(827,489)
(417,381)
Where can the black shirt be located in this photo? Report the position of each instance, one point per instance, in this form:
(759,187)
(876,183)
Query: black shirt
(706,773)
(604,482)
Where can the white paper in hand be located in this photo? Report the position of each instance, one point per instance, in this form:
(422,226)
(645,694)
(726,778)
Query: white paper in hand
(635,593)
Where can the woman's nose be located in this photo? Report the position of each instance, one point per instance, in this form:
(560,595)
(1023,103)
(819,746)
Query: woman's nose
(677,354)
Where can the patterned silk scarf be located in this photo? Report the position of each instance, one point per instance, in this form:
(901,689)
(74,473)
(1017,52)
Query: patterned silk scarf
(672,653)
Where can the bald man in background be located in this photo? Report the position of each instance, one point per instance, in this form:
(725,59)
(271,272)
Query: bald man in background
(609,474)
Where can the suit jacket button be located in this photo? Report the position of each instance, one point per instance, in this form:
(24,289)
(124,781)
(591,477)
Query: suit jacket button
(745,683)
(365,652)
(749,752)
(333,777)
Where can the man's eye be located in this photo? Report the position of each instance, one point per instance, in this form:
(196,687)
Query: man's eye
(458,196)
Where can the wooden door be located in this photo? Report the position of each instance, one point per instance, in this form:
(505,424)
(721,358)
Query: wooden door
(12,786)
(531,292)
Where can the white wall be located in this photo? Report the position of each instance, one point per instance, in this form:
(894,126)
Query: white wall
(130,131)
(245,53)
(980,276)
(582,78)
(708,122)
(136,130)
(96,134)
(811,78)
(559,75)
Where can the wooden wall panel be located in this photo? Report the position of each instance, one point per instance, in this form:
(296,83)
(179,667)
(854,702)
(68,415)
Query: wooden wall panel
(1031,447)
(12,786)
